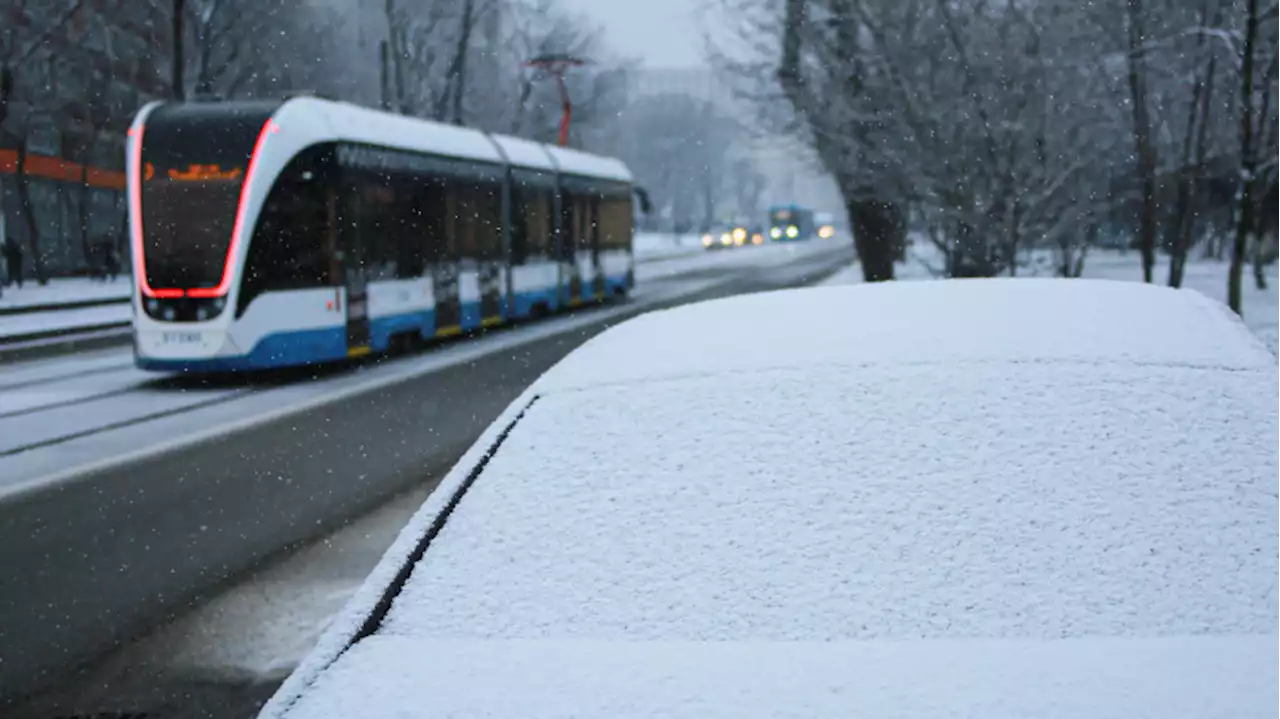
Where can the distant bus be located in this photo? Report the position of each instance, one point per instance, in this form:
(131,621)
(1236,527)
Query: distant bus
(791,223)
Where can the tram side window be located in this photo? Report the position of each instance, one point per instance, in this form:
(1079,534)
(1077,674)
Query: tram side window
(615,222)
(577,222)
(419,208)
(532,226)
(378,226)
(475,212)
(459,221)
(488,220)
(432,205)
(538,214)
(521,196)
(290,245)
(568,234)
(586,208)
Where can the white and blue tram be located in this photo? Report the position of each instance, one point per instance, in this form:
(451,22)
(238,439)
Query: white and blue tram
(303,231)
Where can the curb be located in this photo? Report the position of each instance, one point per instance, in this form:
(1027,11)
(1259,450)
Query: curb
(64,342)
(58,306)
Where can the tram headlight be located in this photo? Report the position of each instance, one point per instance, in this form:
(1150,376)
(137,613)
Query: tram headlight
(793,232)
(775,233)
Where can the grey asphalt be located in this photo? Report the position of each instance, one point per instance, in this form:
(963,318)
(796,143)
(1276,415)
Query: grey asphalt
(89,565)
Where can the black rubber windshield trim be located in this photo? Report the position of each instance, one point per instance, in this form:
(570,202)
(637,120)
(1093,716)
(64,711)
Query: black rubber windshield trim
(373,622)
(380,610)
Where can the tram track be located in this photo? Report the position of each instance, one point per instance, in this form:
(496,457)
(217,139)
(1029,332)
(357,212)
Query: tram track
(79,374)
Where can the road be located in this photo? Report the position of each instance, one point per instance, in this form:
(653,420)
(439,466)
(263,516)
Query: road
(154,526)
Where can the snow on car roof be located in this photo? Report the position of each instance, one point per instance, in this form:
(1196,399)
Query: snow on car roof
(1095,678)
(999,500)
(858,487)
(936,322)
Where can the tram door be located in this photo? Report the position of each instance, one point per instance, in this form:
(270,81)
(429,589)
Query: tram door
(571,278)
(350,258)
(489,237)
(444,255)
(593,232)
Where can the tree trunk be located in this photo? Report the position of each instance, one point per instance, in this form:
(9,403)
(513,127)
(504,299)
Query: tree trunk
(874,227)
(29,214)
(1143,147)
(464,45)
(1183,227)
(179,53)
(384,74)
(1248,162)
(82,212)
(1259,263)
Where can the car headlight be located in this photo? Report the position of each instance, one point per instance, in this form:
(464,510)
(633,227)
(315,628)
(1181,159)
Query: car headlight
(739,235)
(706,240)
(726,238)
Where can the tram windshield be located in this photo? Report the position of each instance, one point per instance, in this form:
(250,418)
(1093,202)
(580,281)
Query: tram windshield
(193,168)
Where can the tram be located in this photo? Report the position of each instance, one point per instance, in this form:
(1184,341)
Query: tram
(305,231)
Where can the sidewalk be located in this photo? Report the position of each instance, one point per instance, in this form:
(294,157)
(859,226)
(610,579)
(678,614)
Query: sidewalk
(55,323)
(63,291)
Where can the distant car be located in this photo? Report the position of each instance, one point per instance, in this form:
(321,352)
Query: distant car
(997,498)
(826,223)
(734,235)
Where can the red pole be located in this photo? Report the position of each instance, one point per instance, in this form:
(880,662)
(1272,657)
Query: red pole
(568,110)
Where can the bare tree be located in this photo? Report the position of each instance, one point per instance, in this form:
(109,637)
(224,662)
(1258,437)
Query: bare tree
(1249,126)
(1144,147)
(251,48)
(19,47)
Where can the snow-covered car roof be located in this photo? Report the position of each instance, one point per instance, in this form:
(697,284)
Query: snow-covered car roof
(990,497)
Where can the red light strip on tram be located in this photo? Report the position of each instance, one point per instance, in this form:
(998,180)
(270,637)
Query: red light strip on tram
(135,201)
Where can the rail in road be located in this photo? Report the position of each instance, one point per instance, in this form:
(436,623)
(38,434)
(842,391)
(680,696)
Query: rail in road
(99,544)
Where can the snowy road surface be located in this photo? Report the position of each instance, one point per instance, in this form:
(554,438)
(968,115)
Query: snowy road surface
(92,556)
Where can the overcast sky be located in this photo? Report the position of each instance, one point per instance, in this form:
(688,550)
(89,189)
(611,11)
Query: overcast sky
(662,33)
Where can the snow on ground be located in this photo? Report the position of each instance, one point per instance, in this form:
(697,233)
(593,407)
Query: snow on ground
(65,289)
(85,318)
(1051,518)
(656,245)
(736,257)
(1261,307)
